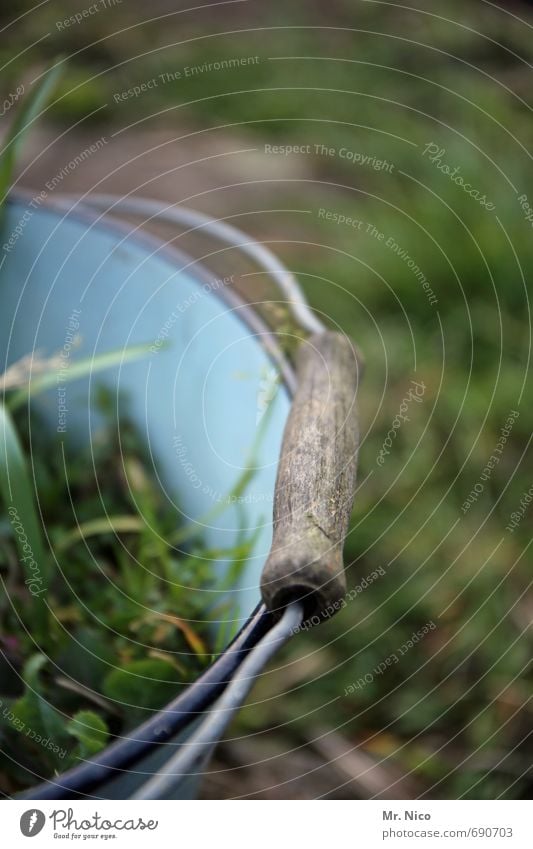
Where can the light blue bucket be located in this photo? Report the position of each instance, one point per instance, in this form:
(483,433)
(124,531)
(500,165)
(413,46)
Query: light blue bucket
(199,397)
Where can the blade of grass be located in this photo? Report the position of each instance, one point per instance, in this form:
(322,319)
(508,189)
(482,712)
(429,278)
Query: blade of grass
(76,370)
(229,619)
(195,528)
(18,496)
(96,527)
(195,642)
(30,109)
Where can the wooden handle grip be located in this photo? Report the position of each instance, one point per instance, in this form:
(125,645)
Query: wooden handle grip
(315,485)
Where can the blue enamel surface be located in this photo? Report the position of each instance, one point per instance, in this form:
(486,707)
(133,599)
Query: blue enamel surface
(198,401)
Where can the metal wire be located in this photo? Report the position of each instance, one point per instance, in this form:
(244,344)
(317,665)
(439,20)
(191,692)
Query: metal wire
(184,217)
(195,751)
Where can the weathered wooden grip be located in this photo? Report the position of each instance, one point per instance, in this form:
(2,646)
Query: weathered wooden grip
(315,485)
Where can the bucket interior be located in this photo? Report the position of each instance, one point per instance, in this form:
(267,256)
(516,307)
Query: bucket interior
(205,395)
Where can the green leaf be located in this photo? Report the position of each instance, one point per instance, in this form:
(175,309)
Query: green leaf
(90,731)
(148,683)
(38,721)
(30,109)
(76,370)
(18,496)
